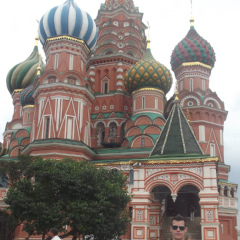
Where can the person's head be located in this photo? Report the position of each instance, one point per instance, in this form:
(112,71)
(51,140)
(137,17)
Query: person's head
(178,227)
(188,237)
(53,232)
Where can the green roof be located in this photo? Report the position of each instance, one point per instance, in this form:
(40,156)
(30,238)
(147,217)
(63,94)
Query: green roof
(177,136)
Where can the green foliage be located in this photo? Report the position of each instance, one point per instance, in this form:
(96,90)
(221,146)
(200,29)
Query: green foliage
(89,200)
(7,225)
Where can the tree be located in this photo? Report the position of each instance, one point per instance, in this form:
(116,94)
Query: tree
(77,194)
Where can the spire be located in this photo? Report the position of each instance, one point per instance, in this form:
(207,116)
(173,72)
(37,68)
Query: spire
(113,4)
(177,137)
(148,39)
(39,65)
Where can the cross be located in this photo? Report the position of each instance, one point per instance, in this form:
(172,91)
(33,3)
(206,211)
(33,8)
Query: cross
(148,30)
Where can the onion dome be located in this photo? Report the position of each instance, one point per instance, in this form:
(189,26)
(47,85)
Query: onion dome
(24,73)
(26,97)
(113,4)
(148,73)
(68,19)
(193,48)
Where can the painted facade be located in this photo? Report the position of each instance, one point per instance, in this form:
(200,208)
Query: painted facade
(101,97)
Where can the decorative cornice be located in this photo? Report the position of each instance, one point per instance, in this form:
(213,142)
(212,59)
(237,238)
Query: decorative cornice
(227,184)
(68,38)
(186,64)
(151,162)
(147,89)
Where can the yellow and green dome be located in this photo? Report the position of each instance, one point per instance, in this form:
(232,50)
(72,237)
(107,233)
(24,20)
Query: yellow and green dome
(148,73)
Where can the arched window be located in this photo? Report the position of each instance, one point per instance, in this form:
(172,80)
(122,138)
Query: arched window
(232,192)
(225,191)
(143,102)
(105,87)
(181,85)
(47,122)
(191,84)
(156,103)
(203,84)
(212,149)
(56,61)
(113,129)
(100,133)
(71,62)
(142,142)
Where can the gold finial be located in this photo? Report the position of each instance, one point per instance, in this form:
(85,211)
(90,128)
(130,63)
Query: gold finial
(36,41)
(37,38)
(39,65)
(192,22)
(148,38)
(188,116)
(191,19)
(176,98)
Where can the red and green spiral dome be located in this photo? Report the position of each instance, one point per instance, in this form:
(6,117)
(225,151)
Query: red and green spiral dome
(193,48)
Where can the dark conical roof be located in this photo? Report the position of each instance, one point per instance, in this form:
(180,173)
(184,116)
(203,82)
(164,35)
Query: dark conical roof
(177,136)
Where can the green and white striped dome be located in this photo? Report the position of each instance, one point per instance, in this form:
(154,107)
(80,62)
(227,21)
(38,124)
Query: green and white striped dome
(23,74)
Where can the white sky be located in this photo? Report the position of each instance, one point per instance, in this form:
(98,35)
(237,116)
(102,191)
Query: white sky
(215,20)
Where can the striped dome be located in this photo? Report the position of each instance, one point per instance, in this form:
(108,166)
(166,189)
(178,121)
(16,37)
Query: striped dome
(24,73)
(26,97)
(193,48)
(68,19)
(148,73)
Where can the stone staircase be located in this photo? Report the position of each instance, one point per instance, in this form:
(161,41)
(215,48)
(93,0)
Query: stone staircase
(194,228)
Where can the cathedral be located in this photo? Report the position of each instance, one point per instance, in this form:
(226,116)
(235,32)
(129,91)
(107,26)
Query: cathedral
(101,97)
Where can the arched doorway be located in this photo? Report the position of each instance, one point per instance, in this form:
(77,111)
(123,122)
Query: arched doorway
(161,194)
(187,201)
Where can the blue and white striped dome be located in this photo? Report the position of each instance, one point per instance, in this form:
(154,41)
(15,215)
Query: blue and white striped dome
(68,19)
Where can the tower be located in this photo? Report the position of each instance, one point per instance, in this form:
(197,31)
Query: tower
(20,80)
(192,61)
(147,81)
(121,43)
(64,94)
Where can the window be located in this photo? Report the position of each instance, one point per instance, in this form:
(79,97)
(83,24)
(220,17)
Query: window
(105,87)
(28,117)
(203,84)
(47,121)
(212,149)
(51,80)
(191,84)
(69,128)
(71,62)
(71,81)
(143,142)
(181,85)
(143,102)
(156,103)
(190,103)
(221,137)
(201,133)
(134,104)
(81,64)
(56,61)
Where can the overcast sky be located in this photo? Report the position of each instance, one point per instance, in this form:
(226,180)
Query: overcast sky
(215,20)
